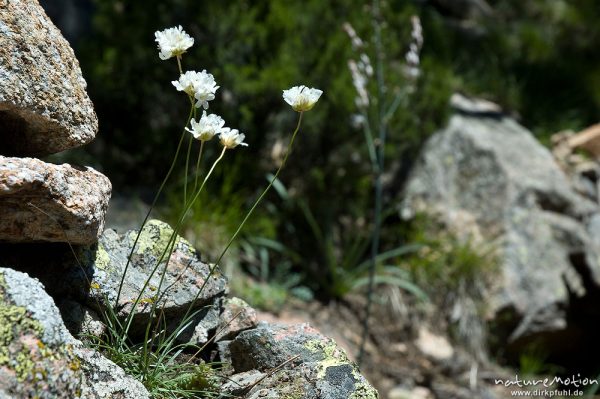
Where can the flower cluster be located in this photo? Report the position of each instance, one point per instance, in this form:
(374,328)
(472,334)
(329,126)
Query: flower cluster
(212,125)
(231,138)
(173,42)
(200,85)
(207,127)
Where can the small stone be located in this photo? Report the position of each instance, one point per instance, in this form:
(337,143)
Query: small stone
(434,346)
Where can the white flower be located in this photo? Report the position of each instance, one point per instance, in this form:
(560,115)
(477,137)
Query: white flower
(187,82)
(201,85)
(301,98)
(231,138)
(204,89)
(207,127)
(172,42)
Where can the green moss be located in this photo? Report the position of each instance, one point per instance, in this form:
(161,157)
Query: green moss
(333,356)
(202,378)
(363,390)
(14,322)
(285,387)
(102,258)
(235,301)
(154,238)
(18,331)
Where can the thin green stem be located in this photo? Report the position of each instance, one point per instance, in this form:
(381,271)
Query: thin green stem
(378,174)
(401,95)
(187,168)
(198,165)
(369,140)
(162,185)
(169,248)
(258,200)
(179,65)
(187,157)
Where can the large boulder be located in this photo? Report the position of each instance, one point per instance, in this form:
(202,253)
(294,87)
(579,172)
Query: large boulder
(46,202)
(39,357)
(279,361)
(487,177)
(187,281)
(44,107)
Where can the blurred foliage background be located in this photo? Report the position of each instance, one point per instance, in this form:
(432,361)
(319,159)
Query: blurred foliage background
(538,59)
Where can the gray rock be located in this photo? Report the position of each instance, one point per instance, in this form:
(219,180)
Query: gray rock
(237,316)
(40,358)
(225,355)
(106,380)
(44,107)
(489,179)
(91,275)
(80,320)
(202,326)
(187,280)
(46,202)
(239,383)
(299,362)
(95,277)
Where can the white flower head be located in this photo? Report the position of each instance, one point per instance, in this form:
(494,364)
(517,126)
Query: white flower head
(301,98)
(200,85)
(207,127)
(172,42)
(231,138)
(188,82)
(204,89)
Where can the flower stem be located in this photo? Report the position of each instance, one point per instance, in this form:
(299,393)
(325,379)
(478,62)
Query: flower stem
(198,164)
(179,65)
(239,229)
(187,167)
(382,125)
(187,157)
(168,249)
(173,239)
(259,199)
(162,185)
